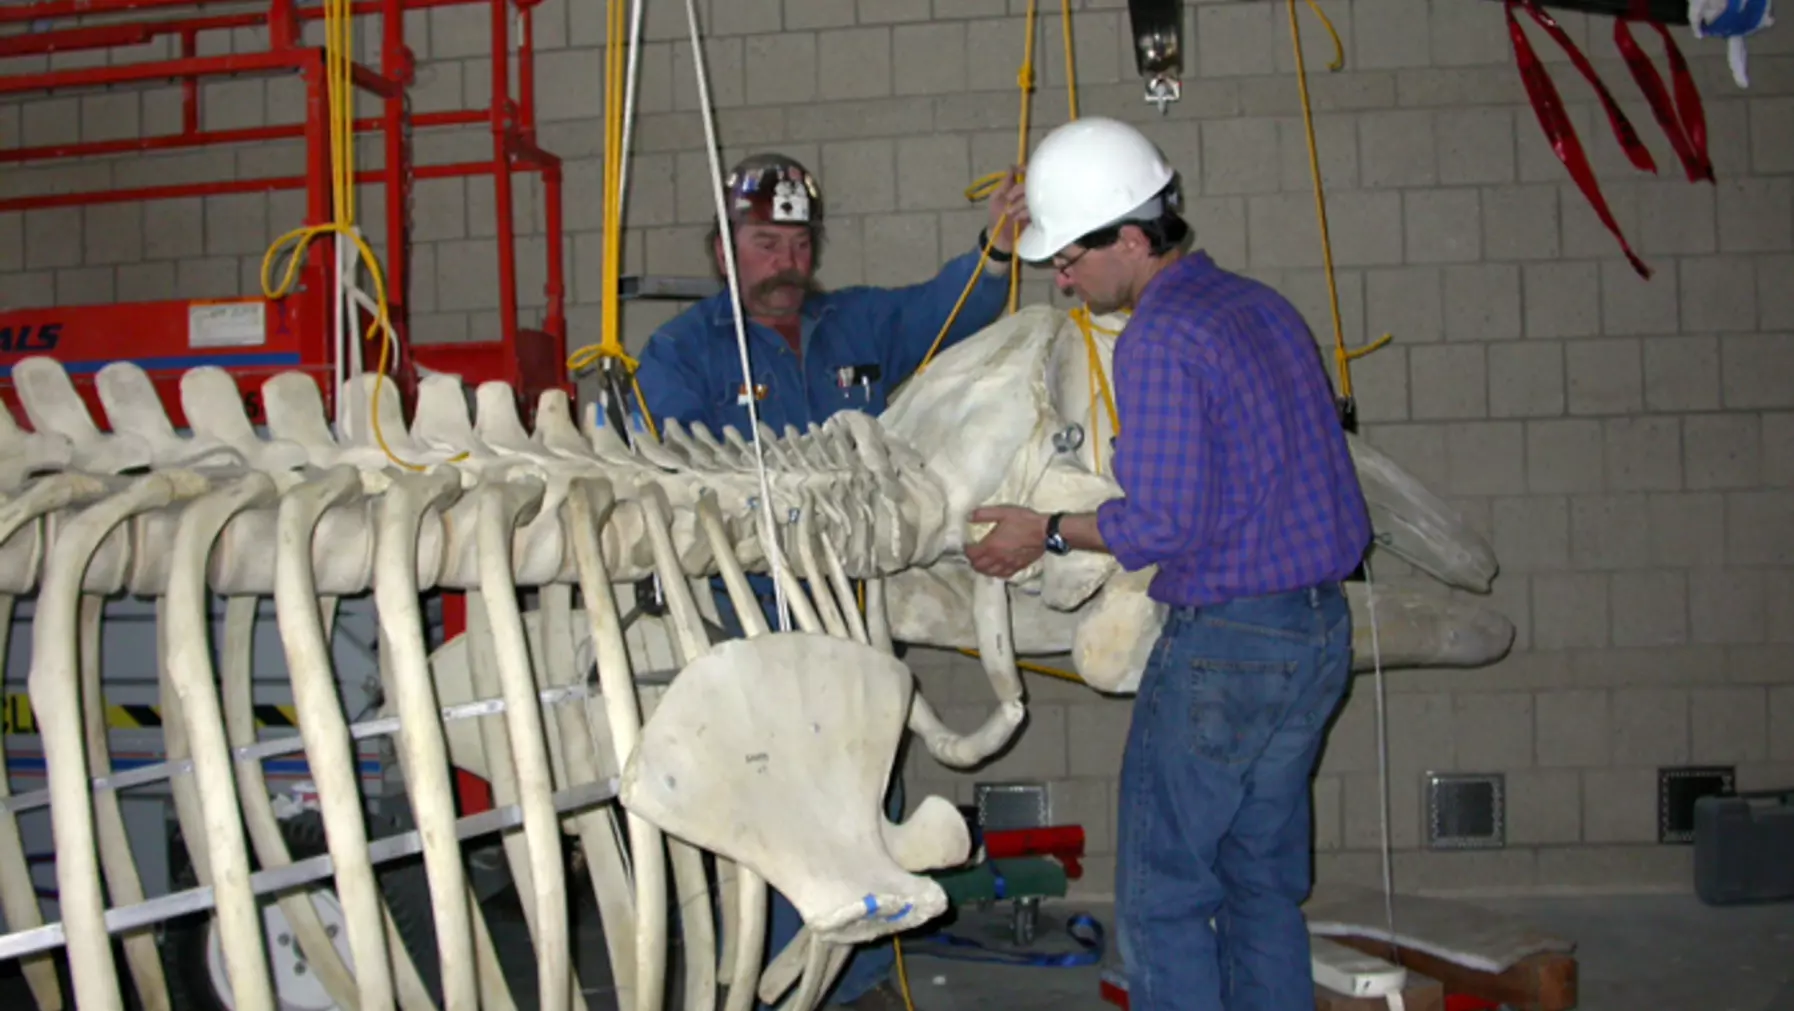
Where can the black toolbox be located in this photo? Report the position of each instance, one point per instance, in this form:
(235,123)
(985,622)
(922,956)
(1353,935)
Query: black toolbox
(1744,847)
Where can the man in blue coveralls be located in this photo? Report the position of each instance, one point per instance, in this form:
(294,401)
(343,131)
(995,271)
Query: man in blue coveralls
(813,353)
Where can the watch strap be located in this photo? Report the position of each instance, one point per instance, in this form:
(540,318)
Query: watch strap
(996,255)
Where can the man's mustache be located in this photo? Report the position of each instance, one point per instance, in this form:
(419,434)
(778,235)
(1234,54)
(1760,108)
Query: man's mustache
(785,279)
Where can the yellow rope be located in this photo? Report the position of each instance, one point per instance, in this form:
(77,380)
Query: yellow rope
(1063,675)
(610,344)
(963,295)
(1099,380)
(1024,82)
(1342,357)
(988,183)
(339,49)
(1071,63)
(903,974)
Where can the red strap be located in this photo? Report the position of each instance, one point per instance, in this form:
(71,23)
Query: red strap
(1558,129)
(1688,101)
(1639,155)
(1690,144)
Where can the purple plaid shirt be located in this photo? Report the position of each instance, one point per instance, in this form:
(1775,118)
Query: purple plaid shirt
(1237,477)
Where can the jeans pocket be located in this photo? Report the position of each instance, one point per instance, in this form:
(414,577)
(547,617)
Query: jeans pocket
(1236,705)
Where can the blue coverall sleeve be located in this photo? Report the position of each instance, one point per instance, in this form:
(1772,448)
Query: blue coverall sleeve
(671,380)
(913,315)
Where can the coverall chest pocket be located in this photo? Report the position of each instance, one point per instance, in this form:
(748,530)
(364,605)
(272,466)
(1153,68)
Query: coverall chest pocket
(731,408)
(859,387)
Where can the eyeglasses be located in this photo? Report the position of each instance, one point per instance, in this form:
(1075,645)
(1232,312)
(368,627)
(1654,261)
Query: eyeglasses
(1099,239)
(1063,266)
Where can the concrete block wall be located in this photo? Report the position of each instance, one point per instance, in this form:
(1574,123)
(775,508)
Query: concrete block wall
(1628,445)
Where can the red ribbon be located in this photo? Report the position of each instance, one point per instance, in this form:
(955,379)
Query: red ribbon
(1556,123)
(1688,135)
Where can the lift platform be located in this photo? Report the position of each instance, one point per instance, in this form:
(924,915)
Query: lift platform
(252,336)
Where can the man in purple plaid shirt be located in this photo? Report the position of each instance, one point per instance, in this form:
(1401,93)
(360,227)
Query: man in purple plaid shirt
(1239,487)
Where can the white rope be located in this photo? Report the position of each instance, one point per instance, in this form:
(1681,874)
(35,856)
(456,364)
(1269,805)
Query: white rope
(769,525)
(623,155)
(348,364)
(629,83)
(1376,653)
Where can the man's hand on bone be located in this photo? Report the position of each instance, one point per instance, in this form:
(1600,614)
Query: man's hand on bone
(1016,541)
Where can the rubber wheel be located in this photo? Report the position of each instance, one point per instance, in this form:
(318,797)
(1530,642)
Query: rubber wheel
(189,946)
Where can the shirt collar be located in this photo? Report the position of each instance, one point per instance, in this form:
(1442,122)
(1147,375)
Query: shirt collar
(1196,261)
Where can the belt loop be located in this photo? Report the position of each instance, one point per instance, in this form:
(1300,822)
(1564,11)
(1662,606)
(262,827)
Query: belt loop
(1314,597)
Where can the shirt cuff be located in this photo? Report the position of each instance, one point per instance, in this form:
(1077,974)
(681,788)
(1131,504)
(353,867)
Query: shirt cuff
(1111,522)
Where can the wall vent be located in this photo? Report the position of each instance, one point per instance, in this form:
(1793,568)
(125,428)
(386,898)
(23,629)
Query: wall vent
(1466,810)
(1678,787)
(1013,805)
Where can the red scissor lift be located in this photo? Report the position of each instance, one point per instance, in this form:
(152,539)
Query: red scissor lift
(168,337)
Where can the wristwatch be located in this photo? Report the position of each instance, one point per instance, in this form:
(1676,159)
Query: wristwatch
(996,255)
(1055,541)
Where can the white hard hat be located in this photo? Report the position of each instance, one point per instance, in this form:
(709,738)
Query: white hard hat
(1089,173)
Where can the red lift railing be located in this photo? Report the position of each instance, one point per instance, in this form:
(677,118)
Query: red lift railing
(254,337)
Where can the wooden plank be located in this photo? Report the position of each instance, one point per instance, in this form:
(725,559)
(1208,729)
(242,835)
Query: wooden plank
(1542,982)
(1420,994)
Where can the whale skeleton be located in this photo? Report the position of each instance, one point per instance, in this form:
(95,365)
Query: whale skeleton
(770,753)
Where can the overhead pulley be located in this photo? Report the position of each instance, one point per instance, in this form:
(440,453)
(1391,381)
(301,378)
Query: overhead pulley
(1158,48)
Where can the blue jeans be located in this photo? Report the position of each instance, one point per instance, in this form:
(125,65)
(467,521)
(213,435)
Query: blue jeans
(873,963)
(1215,809)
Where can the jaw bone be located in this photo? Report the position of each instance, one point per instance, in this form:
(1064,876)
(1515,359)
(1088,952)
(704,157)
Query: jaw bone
(1410,521)
(1047,450)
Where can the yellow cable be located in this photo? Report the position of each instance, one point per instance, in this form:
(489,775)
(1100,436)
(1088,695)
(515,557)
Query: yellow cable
(1071,63)
(1087,326)
(964,294)
(902,974)
(610,342)
(1024,81)
(987,184)
(1342,357)
(1099,381)
(1063,675)
(1095,366)
(339,42)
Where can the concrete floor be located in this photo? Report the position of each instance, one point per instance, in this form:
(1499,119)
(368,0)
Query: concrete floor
(1637,953)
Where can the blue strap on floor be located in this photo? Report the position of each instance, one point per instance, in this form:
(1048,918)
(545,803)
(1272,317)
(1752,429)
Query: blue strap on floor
(1081,927)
